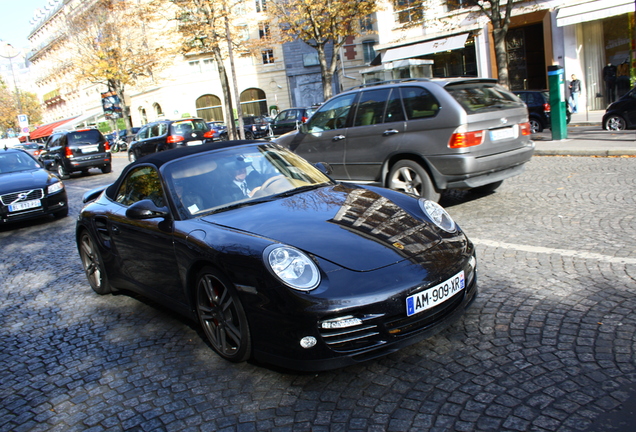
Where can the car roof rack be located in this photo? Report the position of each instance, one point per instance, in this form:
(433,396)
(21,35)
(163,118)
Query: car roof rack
(393,81)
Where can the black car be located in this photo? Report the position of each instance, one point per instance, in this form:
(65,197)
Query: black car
(78,150)
(169,134)
(621,115)
(538,103)
(274,259)
(255,127)
(289,119)
(217,127)
(27,190)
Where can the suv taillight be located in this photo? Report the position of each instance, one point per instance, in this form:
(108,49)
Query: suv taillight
(546,107)
(106,146)
(466,139)
(68,152)
(208,134)
(525,129)
(303,119)
(174,139)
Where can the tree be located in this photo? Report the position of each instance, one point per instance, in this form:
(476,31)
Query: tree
(319,24)
(9,108)
(205,28)
(115,43)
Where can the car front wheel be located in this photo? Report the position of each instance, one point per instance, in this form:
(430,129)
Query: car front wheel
(61,171)
(222,316)
(93,266)
(409,176)
(615,123)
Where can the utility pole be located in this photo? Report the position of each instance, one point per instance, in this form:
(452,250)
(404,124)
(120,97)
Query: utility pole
(5,53)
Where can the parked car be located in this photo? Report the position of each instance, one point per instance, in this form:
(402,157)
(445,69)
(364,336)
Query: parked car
(538,103)
(27,190)
(256,127)
(169,134)
(79,150)
(621,115)
(294,269)
(421,136)
(289,119)
(34,149)
(217,127)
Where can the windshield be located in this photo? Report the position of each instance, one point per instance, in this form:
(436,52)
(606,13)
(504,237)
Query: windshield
(214,181)
(479,97)
(18,161)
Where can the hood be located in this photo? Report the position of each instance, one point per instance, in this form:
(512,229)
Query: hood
(23,180)
(348,225)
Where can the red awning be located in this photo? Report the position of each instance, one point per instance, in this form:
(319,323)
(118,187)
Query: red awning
(47,129)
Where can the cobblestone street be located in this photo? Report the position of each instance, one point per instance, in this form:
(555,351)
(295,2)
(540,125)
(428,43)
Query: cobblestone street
(548,345)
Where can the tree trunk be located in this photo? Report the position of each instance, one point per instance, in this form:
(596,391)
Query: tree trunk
(118,88)
(325,72)
(228,113)
(501,55)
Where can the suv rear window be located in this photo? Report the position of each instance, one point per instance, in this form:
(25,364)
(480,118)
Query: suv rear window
(480,97)
(83,137)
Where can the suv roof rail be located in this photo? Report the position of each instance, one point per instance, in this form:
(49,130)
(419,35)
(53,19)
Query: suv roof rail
(393,81)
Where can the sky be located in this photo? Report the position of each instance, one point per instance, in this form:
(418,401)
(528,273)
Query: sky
(16,15)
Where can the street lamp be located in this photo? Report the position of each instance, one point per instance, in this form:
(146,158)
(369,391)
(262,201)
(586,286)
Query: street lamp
(6,53)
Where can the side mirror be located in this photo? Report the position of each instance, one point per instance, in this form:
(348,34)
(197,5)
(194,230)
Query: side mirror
(324,167)
(303,128)
(146,209)
(48,163)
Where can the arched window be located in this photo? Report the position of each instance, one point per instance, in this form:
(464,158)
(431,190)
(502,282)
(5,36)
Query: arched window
(158,110)
(209,108)
(253,102)
(143,115)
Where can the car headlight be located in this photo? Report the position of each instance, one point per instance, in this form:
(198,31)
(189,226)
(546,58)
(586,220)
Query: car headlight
(437,215)
(293,267)
(55,187)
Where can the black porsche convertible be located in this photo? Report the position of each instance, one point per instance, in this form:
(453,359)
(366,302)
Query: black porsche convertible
(277,262)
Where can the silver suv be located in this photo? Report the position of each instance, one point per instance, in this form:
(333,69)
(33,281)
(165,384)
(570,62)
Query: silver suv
(420,136)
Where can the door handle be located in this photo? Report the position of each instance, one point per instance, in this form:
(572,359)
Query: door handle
(390,132)
(338,138)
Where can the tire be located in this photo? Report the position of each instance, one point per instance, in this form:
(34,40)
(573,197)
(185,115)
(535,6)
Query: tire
(535,125)
(486,189)
(249,135)
(222,316)
(132,156)
(614,123)
(107,168)
(93,265)
(61,171)
(223,137)
(409,176)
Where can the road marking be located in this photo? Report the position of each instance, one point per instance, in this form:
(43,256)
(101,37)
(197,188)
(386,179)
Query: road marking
(563,252)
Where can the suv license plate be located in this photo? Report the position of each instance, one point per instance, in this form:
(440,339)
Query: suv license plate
(25,205)
(501,134)
(431,297)
(89,149)
(197,142)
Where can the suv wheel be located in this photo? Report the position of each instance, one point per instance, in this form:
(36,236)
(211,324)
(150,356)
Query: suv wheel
(61,171)
(535,125)
(107,168)
(249,135)
(409,176)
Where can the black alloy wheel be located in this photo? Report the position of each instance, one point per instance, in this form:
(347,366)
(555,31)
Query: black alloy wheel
(61,171)
(409,176)
(107,168)
(92,263)
(222,316)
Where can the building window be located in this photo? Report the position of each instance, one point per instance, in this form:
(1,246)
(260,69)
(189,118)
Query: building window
(253,102)
(209,108)
(158,110)
(263,30)
(143,115)
(366,24)
(195,67)
(407,11)
(452,5)
(368,51)
(268,56)
(261,5)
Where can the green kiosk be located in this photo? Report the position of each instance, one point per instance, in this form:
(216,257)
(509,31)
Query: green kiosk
(558,119)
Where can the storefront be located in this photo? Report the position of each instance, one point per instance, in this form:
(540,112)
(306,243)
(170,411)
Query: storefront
(598,46)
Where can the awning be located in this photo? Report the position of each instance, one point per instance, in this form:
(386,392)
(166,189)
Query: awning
(592,11)
(47,129)
(429,47)
(73,123)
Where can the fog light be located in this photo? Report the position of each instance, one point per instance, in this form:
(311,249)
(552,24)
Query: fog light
(342,322)
(308,342)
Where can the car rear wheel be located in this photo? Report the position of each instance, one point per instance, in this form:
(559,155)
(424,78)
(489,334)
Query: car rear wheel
(107,168)
(61,171)
(535,126)
(222,316)
(615,123)
(93,266)
(409,176)
(249,135)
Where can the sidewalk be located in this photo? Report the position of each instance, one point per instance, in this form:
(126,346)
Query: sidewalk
(586,137)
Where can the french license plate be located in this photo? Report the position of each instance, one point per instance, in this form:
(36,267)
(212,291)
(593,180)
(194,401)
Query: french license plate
(436,295)
(197,142)
(89,149)
(505,133)
(24,205)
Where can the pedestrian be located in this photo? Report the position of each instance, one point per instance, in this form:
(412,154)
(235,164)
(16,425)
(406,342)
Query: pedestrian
(575,91)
